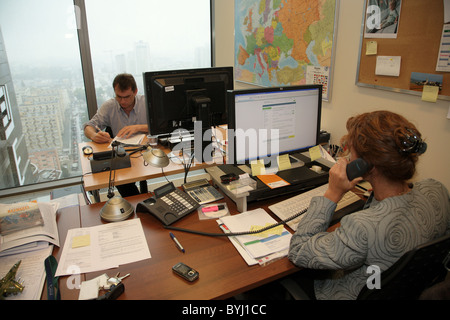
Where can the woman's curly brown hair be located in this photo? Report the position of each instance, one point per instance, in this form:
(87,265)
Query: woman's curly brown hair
(379,138)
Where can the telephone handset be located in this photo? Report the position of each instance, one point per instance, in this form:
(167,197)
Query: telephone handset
(169,204)
(357,168)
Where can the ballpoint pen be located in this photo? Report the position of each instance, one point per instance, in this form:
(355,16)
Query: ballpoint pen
(179,246)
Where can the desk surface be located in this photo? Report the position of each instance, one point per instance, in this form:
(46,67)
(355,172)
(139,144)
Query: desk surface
(137,172)
(223,272)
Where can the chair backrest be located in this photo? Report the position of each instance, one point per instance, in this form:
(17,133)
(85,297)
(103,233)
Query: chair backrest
(415,271)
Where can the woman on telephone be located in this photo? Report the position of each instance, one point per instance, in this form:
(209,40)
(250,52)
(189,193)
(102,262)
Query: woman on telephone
(398,215)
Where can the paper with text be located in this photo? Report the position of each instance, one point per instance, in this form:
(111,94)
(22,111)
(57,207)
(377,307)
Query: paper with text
(110,245)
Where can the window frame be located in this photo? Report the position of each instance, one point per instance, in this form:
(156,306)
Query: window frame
(91,99)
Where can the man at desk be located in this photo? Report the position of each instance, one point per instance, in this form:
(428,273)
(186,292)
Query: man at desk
(126,115)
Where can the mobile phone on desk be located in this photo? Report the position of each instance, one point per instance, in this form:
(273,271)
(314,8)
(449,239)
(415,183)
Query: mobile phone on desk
(185,272)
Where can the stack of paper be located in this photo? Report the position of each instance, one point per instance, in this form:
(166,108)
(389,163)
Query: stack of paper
(27,227)
(27,232)
(133,140)
(260,247)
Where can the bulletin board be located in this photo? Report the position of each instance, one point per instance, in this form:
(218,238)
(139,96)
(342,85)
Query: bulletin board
(417,42)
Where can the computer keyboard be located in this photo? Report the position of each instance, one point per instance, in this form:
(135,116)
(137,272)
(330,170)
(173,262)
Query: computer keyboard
(289,207)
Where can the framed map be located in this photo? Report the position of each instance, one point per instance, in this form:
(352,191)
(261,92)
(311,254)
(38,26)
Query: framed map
(285,42)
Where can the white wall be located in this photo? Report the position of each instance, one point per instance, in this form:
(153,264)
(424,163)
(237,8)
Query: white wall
(348,99)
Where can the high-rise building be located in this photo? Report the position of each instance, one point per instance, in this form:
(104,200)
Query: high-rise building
(14,160)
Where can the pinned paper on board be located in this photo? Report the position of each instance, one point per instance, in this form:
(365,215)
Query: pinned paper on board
(388,66)
(371,48)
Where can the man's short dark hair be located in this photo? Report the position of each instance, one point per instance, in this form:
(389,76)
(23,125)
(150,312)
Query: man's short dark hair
(125,81)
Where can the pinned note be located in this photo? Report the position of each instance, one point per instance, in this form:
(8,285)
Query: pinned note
(81,241)
(314,153)
(430,93)
(388,66)
(371,48)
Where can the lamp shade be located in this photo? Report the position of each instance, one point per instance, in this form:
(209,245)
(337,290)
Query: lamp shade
(116,209)
(156,157)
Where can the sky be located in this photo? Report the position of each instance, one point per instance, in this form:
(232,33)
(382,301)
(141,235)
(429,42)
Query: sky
(46,29)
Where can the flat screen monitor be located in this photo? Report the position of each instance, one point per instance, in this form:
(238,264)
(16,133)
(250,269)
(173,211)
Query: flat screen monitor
(269,122)
(177,98)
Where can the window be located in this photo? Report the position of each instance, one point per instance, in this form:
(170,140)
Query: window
(42,85)
(146,35)
(41,71)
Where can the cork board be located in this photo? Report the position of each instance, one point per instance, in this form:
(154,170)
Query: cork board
(418,41)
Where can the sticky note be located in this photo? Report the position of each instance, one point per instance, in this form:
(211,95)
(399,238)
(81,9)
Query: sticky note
(371,48)
(258,167)
(430,93)
(314,153)
(284,162)
(81,241)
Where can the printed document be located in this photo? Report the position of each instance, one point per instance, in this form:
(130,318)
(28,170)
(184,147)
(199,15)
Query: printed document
(103,247)
(259,244)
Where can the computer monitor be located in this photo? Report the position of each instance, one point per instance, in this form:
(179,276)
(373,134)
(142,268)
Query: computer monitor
(177,98)
(267,122)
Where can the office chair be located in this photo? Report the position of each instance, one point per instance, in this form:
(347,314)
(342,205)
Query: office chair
(415,271)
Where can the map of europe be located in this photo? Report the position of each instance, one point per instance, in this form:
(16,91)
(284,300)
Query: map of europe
(278,41)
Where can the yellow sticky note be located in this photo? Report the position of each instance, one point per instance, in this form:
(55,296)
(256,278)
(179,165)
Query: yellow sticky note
(371,48)
(258,167)
(284,162)
(430,93)
(81,241)
(314,153)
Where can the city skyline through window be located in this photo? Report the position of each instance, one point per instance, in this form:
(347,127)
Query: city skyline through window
(42,75)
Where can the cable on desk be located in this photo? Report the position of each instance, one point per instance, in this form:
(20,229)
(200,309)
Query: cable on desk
(83,191)
(234,234)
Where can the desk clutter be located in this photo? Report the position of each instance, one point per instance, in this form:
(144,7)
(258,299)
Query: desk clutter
(28,231)
(97,245)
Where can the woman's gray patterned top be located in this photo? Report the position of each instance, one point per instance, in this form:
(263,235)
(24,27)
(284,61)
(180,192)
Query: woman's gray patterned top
(378,235)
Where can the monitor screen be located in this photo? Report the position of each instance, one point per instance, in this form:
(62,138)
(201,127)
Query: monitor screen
(273,121)
(177,98)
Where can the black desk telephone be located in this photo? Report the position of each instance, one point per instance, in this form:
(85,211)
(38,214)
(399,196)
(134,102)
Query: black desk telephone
(168,205)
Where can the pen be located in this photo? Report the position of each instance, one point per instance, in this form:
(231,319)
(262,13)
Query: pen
(177,242)
(98,129)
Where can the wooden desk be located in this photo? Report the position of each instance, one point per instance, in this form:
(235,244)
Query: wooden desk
(223,272)
(137,172)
